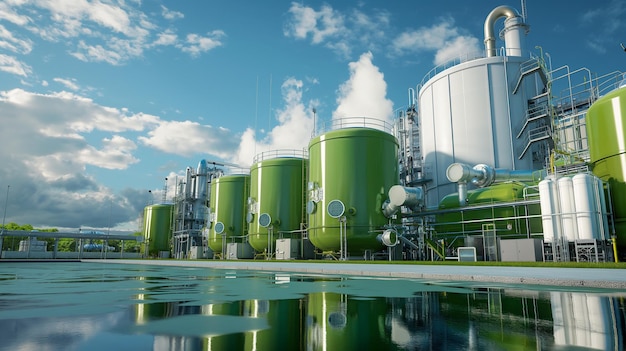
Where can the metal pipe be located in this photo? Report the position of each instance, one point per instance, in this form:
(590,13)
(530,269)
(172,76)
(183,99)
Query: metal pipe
(400,196)
(389,237)
(495,14)
(462,188)
(482,175)
(408,242)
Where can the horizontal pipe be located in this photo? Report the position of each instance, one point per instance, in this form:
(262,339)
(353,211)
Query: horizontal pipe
(400,196)
(482,175)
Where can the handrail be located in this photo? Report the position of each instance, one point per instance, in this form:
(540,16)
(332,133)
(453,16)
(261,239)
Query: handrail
(281,153)
(352,122)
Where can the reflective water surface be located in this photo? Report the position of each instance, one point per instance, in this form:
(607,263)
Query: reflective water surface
(92,306)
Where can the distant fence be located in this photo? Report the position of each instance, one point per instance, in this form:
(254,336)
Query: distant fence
(68,255)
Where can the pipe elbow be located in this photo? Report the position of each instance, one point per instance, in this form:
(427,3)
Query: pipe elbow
(492,17)
(458,172)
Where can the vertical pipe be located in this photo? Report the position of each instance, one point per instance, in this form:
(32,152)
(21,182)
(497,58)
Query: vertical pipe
(462,186)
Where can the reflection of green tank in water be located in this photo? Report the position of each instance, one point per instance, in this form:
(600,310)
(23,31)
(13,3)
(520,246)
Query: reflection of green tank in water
(285,325)
(337,322)
(234,341)
(508,220)
(505,321)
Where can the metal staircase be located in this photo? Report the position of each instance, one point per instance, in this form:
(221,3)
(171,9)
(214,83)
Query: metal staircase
(537,124)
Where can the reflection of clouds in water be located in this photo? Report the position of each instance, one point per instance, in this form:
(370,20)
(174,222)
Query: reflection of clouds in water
(60,333)
(197,325)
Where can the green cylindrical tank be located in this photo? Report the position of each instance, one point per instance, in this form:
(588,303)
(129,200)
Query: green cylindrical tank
(157,229)
(606,133)
(351,171)
(228,205)
(508,220)
(276,202)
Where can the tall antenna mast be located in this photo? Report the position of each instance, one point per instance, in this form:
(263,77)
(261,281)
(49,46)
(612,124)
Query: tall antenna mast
(165,191)
(256,112)
(524,14)
(269,117)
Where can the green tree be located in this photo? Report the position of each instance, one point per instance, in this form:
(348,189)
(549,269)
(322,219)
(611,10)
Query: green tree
(67,245)
(132,245)
(12,243)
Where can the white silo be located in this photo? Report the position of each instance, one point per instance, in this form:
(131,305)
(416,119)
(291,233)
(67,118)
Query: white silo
(567,205)
(550,209)
(475,112)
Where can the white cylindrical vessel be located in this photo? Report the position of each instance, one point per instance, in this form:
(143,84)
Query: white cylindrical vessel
(585,198)
(568,208)
(514,29)
(550,218)
(469,115)
(603,233)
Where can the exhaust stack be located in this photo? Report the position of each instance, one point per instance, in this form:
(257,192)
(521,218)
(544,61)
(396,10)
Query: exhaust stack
(513,32)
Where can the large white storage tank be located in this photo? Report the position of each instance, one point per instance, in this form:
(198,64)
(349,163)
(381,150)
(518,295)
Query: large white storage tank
(550,209)
(590,207)
(471,113)
(567,205)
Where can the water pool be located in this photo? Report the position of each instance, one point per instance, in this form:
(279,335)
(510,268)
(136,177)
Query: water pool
(95,306)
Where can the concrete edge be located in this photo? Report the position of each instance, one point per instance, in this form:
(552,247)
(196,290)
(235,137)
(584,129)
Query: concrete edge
(330,270)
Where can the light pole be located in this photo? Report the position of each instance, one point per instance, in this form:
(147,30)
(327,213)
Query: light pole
(549,64)
(6,202)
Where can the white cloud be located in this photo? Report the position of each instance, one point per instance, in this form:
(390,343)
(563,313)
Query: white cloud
(12,65)
(68,83)
(99,31)
(47,157)
(294,129)
(196,44)
(9,14)
(609,34)
(336,30)
(13,44)
(364,94)
(63,113)
(116,153)
(462,46)
(171,15)
(444,38)
(166,38)
(97,53)
(190,138)
(112,17)
(318,24)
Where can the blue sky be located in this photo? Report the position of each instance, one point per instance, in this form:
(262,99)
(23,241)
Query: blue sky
(100,101)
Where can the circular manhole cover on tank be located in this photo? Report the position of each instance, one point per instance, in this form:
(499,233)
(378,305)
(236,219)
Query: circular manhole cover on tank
(219,227)
(336,208)
(265,220)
